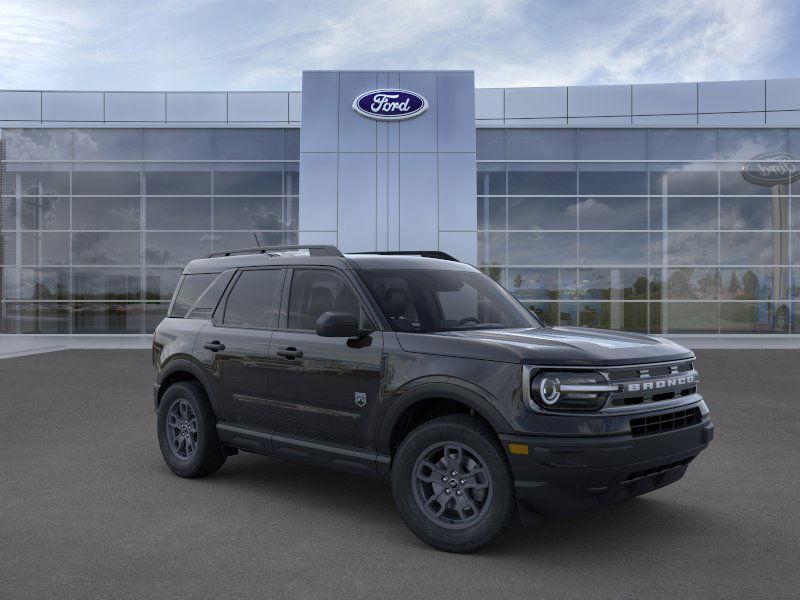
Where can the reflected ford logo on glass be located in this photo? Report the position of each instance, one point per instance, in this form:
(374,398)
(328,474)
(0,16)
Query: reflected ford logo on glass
(390,105)
(772,168)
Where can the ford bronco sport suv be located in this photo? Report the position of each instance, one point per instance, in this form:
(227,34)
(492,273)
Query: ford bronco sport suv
(420,369)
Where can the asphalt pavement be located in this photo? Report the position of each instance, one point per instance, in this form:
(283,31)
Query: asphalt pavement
(89,510)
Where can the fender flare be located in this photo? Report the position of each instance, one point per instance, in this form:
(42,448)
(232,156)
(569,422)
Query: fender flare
(457,390)
(186,365)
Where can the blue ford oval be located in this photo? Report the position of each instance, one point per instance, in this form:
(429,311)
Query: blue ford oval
(390,105)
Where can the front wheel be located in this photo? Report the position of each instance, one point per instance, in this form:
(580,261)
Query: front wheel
(452,483)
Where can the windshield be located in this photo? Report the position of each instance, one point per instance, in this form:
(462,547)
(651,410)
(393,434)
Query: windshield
(427,301)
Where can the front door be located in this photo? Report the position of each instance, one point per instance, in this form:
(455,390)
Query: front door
(324,389)
(234,346)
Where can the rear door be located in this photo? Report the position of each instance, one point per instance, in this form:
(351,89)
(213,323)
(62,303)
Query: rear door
(324,389)
(234,345)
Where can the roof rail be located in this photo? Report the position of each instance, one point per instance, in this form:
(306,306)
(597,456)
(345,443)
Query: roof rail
(423,253)
(313,250)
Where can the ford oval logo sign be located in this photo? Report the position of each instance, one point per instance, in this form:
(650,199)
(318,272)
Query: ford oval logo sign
(390,105)
(772,168)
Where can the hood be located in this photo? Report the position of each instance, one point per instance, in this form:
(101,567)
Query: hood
(575,346)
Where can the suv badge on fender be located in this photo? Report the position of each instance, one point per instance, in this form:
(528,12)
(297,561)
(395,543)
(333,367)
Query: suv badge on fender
(361,399)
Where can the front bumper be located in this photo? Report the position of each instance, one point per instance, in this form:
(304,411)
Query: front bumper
(563,475)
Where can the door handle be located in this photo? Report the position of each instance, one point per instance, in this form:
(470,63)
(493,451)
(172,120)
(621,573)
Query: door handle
(290,353)
(214,346)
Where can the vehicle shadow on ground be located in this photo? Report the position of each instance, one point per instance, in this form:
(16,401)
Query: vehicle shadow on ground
(652,518)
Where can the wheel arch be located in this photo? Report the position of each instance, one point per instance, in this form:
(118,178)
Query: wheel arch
(181,369)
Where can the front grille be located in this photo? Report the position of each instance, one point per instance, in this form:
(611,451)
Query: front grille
(654,371)
(665,422)
(637,475)
(651,381)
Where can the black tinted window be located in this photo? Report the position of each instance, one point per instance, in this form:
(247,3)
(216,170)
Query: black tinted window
(191,287)
(254,299)
(317,292)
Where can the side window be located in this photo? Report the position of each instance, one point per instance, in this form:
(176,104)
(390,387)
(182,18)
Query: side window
(189,291)
(315,292)
(254,299)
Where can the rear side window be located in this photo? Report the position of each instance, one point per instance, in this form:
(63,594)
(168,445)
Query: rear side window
(315,292)
(254,299)
(191,287)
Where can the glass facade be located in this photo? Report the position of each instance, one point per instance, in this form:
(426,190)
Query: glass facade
(97,224)
(646,230)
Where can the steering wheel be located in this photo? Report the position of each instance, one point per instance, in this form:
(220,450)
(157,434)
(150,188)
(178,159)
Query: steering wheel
(466,320)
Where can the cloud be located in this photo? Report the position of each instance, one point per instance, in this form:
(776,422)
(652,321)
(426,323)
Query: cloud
(207,44)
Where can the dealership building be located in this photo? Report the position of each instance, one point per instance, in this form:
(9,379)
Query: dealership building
(662,208)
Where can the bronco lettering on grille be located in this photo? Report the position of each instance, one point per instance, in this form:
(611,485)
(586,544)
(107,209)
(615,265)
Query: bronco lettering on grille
(659,384)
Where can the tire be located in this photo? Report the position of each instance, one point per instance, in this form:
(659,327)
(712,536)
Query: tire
(479,504)
(190,446)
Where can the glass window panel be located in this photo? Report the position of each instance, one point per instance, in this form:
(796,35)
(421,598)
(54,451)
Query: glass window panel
(795,256)
(492,248)
(8,248)
(692,248)
(8,213)
(693,284)
(547,249)
(692,213)
(102,248)
(732,182)
(291,179)
(683,183)
(291,213)
(542,213)
(491,179)
(568,314)
(754,213)
(612,284)
(526,181)
(248,213)
(160,283)
(754,283)
(248,239)
(44,212)
(250,182)
(38,144)
(794,284)
(541,144)
(36,284)
(745,144)
(36,183)
(174,212)
(291,144)
(656,284)
(794,222)
(754,248)
(613,182)
(747,317)
(107,144)
(547,312)
(612,213)
(106,284)
(613,249)
(107,317)
(626,316)
(47,248)
(612,144)
(691,317)
(656,309)
(178,144)
(656,213)
(682,144)
(177,183)
(36,317)
(117,183)
(106,213)
(248,144)
(176,248)
(491,213)
(490,144)
(542,284)
(154,313)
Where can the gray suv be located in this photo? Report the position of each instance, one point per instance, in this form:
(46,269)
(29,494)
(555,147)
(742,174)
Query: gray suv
(416,368)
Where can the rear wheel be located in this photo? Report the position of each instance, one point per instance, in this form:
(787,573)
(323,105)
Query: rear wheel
(452,483)
(187,433)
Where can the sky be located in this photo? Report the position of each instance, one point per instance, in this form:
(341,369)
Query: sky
(264,45)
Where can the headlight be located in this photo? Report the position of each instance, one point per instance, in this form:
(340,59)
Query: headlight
(565,390)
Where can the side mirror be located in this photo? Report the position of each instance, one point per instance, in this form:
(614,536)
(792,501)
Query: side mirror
(340,324)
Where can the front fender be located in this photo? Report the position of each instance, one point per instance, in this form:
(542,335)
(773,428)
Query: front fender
(184,364)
